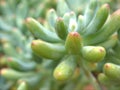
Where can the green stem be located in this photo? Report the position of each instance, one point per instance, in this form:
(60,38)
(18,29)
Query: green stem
(92,79)
(89,75)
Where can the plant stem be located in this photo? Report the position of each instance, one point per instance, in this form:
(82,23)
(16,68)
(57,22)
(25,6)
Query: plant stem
(92,79)
(89,74)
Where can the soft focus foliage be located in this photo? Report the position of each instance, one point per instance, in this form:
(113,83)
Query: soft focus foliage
(59,44)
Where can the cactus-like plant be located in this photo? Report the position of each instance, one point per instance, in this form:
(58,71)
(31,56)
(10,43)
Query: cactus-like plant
(17,58)
(86,37)
(78,46)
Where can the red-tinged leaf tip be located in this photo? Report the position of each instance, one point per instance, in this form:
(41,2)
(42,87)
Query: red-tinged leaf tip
(73,43)
(28,19)
(107,5)
(75,34)
(101,50)
(107,66)
(59,19)
(33,43)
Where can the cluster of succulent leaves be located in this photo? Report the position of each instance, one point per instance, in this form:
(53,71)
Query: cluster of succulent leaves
(71,46)
(16,55)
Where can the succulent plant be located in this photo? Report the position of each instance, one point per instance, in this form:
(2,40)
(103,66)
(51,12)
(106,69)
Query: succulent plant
(17,60)
(85,38)
(73,46)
